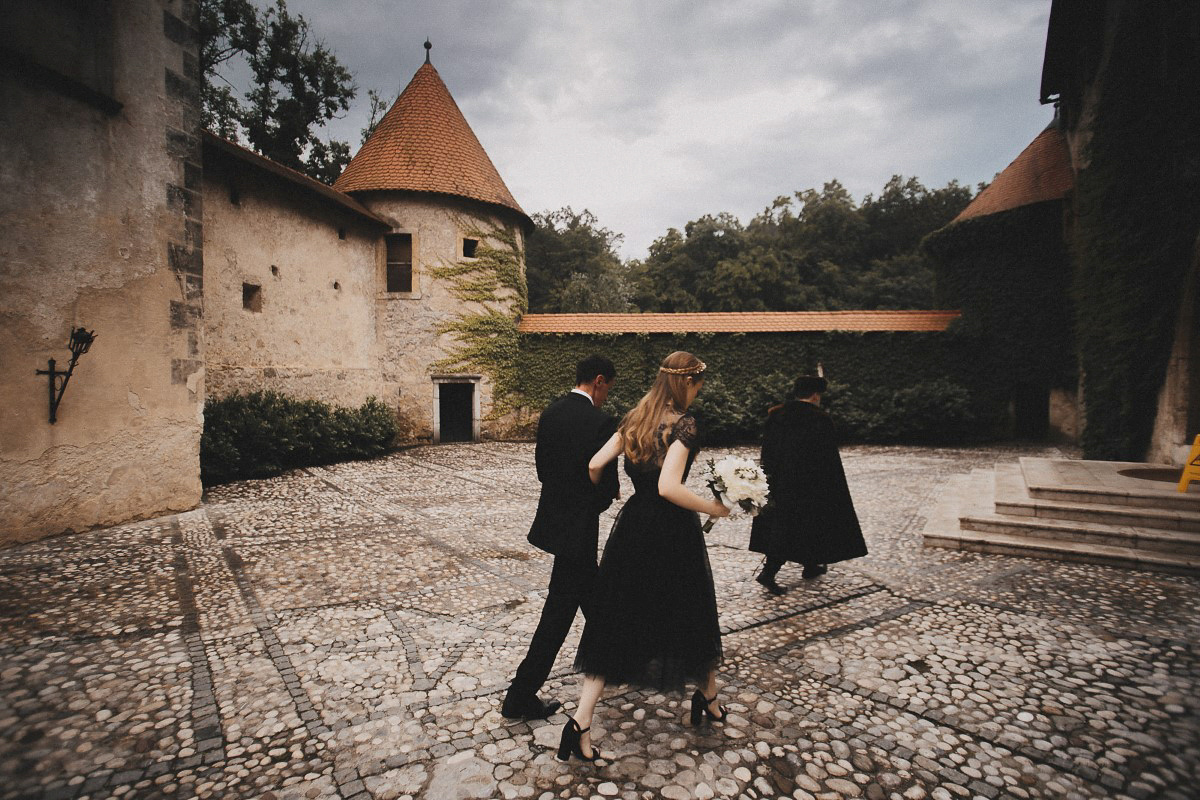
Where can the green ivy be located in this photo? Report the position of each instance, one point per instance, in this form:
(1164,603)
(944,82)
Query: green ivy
(485,332)
(1009,275)
(885,386)
(1137,215)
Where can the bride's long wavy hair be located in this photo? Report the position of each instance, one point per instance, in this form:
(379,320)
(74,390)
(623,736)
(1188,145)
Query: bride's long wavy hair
(669,392)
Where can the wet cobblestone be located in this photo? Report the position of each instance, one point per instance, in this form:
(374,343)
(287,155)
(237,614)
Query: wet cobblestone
(349,631)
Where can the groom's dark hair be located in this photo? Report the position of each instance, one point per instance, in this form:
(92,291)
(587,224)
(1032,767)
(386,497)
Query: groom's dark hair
(587,370)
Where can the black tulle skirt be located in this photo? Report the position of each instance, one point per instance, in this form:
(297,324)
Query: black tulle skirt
(653,619)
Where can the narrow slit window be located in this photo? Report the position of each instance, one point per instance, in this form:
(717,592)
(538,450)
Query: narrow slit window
(469,246)
(399,262)
(251,297)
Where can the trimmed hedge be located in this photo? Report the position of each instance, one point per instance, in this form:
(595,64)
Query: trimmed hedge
(884,387)
(263,433)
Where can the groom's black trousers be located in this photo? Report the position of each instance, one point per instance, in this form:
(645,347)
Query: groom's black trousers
(571,583)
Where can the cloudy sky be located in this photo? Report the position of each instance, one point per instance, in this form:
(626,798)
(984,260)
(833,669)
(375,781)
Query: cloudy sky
(653,113)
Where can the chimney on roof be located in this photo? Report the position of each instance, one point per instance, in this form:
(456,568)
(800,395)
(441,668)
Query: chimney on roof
(428,47)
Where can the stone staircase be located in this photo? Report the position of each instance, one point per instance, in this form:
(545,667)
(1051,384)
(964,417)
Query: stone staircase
(1091,511)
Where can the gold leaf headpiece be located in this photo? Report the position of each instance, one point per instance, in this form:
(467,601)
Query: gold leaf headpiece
(699,367)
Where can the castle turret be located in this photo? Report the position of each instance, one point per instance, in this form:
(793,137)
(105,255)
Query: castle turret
(425,173)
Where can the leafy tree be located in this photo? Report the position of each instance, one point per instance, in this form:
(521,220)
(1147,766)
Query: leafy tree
(379,107)
(676,275)
(297,85)
(811,251)
(571,264)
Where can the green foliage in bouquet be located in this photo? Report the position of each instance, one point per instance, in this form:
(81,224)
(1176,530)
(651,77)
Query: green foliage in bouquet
(263,433)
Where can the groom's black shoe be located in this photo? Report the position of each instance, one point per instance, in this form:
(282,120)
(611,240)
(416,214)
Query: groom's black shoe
(770,585)
(527,707)
(813,571)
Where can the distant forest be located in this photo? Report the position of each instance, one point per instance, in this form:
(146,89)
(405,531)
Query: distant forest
(812,251)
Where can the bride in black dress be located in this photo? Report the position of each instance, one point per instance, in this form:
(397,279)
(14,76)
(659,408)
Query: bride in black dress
(653,621)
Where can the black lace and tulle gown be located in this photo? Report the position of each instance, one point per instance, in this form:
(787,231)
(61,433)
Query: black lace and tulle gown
(653,620)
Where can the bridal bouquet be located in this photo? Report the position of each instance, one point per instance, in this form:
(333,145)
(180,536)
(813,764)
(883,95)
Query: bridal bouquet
(738,483)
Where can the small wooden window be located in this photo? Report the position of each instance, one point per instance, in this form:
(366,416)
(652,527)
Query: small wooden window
(251,297)
(399,262)
(469,246)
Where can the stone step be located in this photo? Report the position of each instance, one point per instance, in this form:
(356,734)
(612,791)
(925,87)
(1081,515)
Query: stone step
(1081,481)
(973,496)
(1091,553)
(1013,498)
(1045,530)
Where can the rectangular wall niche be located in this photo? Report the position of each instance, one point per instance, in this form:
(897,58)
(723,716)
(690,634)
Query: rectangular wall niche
(251,297)
(399,262)
(469,246)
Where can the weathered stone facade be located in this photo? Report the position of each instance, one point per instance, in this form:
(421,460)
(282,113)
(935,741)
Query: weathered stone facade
(410,322)
(100,227)
(1178,420)
(292,293)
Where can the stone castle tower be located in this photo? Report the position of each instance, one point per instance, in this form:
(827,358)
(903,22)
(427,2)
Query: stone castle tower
(425,173)
(343,293)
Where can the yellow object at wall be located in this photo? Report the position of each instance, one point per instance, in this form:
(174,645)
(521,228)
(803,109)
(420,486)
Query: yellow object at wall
(1191,467)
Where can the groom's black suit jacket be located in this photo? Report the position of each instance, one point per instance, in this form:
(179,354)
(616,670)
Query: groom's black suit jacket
(567,523)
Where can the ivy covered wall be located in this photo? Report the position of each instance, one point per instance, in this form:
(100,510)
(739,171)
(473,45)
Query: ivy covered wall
(884,387)
(1136,142)
(1009,273)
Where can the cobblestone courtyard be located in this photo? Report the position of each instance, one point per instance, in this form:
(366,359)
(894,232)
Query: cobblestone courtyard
(348,632)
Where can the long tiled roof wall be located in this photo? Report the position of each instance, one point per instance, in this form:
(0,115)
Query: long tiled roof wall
(1042,172)
(739,322)
(424,144)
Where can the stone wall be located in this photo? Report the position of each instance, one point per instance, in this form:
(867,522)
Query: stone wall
(1177,422)
(311,330)
(409,322)
(100,226)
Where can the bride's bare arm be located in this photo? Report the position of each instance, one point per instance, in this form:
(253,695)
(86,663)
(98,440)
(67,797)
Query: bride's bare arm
(670,484)
(610,450)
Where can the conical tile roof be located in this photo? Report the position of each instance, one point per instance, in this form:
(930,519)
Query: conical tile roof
(424,144)
(1042,172)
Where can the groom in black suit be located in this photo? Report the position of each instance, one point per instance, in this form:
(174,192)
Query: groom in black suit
(567,523)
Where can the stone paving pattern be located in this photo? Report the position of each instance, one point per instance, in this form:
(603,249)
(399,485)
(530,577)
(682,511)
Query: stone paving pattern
(348,632)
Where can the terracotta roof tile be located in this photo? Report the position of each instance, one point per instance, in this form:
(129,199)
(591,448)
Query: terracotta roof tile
(1042,172)
(424,144)
(218,143)
(739,322)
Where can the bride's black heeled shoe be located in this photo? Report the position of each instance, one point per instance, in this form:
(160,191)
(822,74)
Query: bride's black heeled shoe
(700,709)
(571,743)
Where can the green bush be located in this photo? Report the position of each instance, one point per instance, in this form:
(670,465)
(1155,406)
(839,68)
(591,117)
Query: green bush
(260,434)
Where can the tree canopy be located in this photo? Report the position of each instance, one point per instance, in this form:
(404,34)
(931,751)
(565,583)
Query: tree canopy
(571,264)
(296,85)
(813,251)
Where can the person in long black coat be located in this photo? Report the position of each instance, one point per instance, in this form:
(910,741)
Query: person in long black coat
(567,523)
(810,519)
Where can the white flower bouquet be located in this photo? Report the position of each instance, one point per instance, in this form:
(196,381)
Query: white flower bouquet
(738,483)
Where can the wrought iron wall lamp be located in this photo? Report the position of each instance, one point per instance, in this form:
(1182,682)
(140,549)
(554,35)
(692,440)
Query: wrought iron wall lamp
(81,341)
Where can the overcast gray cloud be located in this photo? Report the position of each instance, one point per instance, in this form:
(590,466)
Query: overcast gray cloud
(652,114)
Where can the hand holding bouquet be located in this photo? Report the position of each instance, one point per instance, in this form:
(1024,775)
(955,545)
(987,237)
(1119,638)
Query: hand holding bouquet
(738,483)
